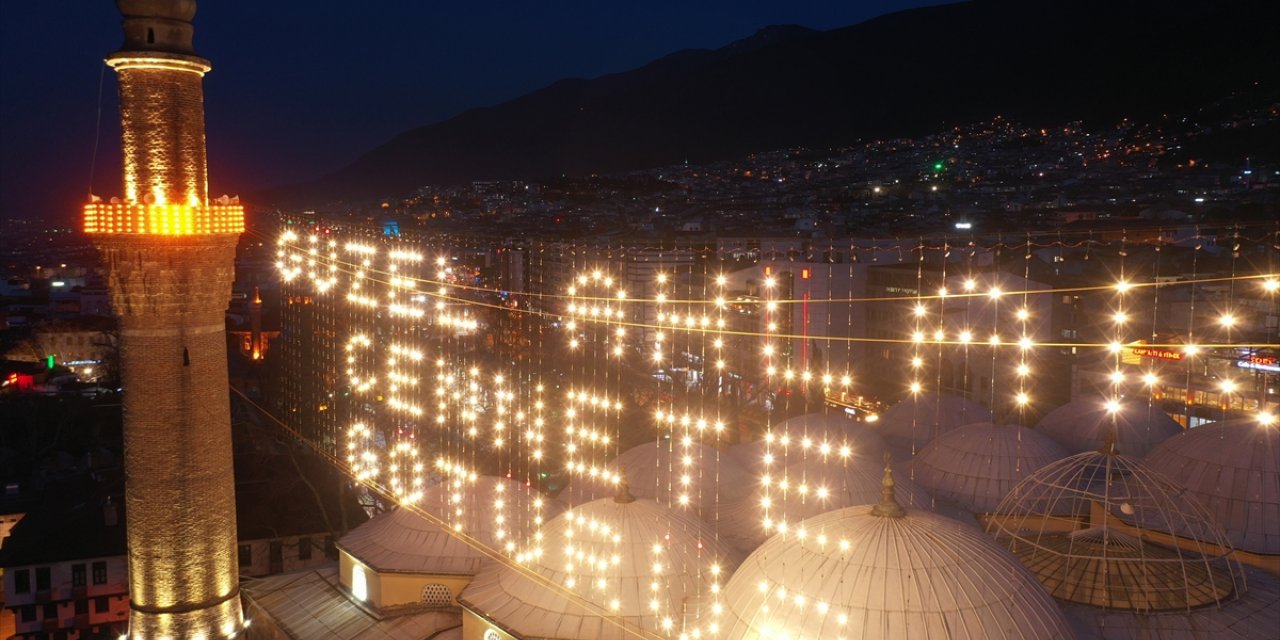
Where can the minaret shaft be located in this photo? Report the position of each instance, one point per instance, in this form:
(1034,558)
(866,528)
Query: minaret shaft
(162,130)
(170,261)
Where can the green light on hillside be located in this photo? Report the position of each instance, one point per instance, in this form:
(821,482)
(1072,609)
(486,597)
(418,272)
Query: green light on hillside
(49,361)
(937,166)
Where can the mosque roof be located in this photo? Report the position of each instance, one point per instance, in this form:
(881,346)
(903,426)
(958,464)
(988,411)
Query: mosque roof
(594,575)
(887,572)
(834,430)
(491,511)
(977,464)
(1233,469)
(916,420)
(659,470)
(1083,425)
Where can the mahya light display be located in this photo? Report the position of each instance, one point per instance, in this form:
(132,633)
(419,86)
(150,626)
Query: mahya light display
(441,411)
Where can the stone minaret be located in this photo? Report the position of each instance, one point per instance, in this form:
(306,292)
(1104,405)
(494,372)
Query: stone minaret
(170,260)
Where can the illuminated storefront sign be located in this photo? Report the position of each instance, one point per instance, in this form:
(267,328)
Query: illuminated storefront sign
(1260,363)
(1159,354)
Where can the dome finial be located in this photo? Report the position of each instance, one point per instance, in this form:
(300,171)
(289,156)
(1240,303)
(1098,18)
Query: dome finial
(624,489)
(1109,445)
(888,507)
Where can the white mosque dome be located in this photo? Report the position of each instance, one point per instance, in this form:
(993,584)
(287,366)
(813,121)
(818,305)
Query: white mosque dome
(806,489)
(915,421)
(492,511)
(800,436)
(881,571)
(594,575)
(1233,469)
(688,475)
(976,465)
(1083,425)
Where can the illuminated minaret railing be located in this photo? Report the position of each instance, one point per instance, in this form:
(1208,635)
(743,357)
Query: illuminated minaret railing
(170,261)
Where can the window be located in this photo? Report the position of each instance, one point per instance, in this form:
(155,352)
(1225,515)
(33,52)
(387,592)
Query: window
(51,611)
(27,613)
(101,605)
(77,575)
(82,607)
(151,36)
(246,555)
(100,573)
(22,581)
(304,548)
(42,579)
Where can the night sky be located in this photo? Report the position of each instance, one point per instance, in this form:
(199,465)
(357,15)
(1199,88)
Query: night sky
(302,88)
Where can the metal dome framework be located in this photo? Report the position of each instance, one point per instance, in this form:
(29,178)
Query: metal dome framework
(1102,529)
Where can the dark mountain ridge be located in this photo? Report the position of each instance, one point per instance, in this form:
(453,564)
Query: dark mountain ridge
(901,74)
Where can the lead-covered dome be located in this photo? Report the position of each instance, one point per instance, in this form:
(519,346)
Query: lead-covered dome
(607,569)
(975,466)
(1233,468)
(683,474)
(802,436)
(806,489)
(1083,425)
(886,572)
(913,422)
(494,512)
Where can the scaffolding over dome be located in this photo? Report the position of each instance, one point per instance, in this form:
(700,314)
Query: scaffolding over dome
(1233,468)
(659,471)
(976,465)
(886,572)
(916,420)
(1094,529)
(610,553)
(492,510)
(1255,616)
(832,429)
(1083,425)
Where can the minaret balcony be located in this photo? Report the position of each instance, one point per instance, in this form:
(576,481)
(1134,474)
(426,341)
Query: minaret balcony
(162,219)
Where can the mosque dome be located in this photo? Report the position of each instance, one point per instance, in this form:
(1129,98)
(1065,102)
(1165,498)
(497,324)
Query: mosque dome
(1083,425)
(492,511)
(1094,529)
(975,466)
(610,568)
(682,474)
(790,436)
(1233,468)
(916,420)
(805,489)
(883,571)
